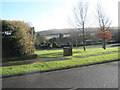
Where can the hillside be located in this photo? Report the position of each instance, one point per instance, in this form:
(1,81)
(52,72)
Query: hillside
(48,34)
(64,31)
(56,31)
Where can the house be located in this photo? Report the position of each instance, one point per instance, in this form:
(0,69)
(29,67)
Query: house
(60,41)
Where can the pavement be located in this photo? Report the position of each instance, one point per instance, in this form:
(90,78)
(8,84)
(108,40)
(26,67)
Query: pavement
(97,76)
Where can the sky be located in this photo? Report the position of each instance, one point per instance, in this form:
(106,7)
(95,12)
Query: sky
(54,14)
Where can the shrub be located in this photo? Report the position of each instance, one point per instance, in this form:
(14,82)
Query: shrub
(49,45)
(17,38)
(55,44)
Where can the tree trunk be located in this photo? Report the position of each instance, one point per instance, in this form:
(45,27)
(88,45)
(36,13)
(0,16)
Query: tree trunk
(84,38)
(76,43)
(104,44)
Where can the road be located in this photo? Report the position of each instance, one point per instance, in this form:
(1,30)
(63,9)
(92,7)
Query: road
(98,76)
(107,45)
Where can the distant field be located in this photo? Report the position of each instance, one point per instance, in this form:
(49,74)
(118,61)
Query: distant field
(48,37)
(52,36)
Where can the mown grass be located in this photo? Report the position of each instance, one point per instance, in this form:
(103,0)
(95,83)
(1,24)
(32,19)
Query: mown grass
(76,52)
(38,66)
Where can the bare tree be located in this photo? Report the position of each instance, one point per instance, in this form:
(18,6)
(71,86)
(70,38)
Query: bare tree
(79,18)
(104,25)
(74,38)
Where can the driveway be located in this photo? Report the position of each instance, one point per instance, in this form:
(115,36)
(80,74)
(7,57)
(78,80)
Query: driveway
(99,76)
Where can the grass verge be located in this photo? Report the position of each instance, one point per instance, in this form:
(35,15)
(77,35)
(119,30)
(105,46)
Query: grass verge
(76,52)
(39,66)
(59,54)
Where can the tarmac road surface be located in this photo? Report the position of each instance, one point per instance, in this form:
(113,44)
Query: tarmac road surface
(98,76)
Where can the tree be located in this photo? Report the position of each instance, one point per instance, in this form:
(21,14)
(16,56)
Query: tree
(39,39)
(79,21)
(17,38)
(104,25)
(75,38)
(61,35)
(116,35)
